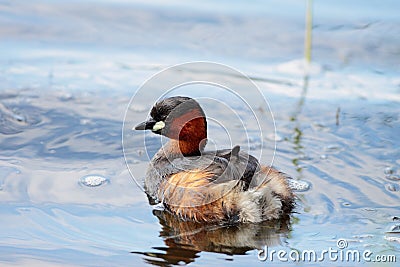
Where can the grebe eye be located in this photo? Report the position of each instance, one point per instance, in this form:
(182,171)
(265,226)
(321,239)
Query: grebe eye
(158,126)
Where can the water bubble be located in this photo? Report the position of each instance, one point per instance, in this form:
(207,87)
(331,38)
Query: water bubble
(19,117)
(395,228)
(389,170)
(298,185)
(323,156)
(93,180)
(393,233)
(394,177)
(392,187)
(346,204)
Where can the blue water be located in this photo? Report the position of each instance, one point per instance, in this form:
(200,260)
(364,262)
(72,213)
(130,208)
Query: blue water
(69,69)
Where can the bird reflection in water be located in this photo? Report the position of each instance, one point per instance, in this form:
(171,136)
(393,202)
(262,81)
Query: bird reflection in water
(184,240)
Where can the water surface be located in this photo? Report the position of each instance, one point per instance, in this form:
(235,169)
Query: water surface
(68,71)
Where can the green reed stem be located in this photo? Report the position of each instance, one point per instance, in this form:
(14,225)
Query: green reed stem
(308,37)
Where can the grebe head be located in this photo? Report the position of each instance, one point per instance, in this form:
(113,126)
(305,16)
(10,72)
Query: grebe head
(180,118)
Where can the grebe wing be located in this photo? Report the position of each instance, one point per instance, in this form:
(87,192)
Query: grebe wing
(243,165)
(225,165)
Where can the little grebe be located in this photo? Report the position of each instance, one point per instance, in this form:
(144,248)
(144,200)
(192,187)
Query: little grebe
(223,186)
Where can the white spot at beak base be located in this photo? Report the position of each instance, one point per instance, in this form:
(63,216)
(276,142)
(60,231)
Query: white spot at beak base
(158,126)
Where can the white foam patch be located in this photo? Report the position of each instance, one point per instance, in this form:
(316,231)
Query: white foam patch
(93,180)
(298,185)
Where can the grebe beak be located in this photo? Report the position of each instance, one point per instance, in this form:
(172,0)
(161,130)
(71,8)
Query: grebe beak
(146,125)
